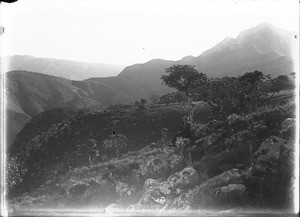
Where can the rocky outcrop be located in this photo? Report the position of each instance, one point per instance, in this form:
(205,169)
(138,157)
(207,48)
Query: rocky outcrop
(269,153)
(113,208)
(126,194)
(200,114)
(270,178)
(288,128)
(222,190)
(158,194)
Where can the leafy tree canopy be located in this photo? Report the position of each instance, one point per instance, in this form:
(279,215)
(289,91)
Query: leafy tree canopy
(184,78)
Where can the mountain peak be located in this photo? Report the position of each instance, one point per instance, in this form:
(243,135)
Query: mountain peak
(265,25)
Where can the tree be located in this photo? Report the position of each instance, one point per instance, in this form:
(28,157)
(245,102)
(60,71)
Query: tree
(184,78)
(282,82)
(229,95)
(142,105)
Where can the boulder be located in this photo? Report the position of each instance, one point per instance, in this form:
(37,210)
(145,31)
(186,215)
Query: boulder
(270,178)
(200,114)
(113,208)
(176,162)
(288,128)
(126,194)
(157,195)
(184,179)
(234,119)
(154,195)
(226,189)
(260,130)
(268,154)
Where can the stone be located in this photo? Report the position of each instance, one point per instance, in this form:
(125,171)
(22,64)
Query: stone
(233,119)
(268,154)
(158,194)
(288,128)
(184,179)
(113,208)
(200,114)
(222,190)
(127,194)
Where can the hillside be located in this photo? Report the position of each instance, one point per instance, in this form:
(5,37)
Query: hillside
(73,70)
(264,47)
(70,159)
(52,136)
(30,93)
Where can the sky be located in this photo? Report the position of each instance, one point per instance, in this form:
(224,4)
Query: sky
(126,32)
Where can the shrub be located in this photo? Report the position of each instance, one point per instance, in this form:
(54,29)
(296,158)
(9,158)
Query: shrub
(114,146)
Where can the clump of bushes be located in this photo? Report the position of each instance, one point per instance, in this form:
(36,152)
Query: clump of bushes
(114,145)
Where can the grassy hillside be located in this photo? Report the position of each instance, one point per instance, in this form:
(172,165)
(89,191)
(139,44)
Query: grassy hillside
(68,158)
(52,136)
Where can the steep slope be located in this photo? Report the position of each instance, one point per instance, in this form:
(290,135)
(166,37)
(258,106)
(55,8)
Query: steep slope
(52,138)
(30,93)
(147,74)
(74,70)
(64,161)
(264,47)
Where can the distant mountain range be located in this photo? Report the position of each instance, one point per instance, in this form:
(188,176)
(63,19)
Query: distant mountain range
(73,70)
(264,47)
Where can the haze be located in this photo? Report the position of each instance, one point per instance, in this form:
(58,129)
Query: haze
(128,32)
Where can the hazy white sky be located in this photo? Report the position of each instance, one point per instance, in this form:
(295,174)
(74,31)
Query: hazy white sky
(132,31)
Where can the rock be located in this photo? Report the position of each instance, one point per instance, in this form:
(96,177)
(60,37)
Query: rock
(200,114)
(222,190)
(113,208)
(158,166)
(127,195)
(184,179)
(154,195)
(182,202)
(208,141)
(176,162)
(270,178)
(260,131)
(268,154)
(288,128)
(234,119)
(182,148)
(160,194)
(238,139)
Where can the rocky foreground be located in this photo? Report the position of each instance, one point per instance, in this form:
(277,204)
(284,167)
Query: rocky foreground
(244,162)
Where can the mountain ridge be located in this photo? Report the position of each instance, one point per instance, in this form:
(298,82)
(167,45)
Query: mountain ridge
(29,93)
(264,47)
(70,69)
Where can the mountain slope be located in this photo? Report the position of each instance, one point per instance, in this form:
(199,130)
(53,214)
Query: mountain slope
(68,158)
(264,47)
(30,93)
(74,70)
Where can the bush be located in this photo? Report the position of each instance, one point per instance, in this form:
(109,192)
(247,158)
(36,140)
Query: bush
(115,145)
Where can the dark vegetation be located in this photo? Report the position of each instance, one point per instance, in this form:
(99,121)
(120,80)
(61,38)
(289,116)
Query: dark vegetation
(243,154)
(50,139)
